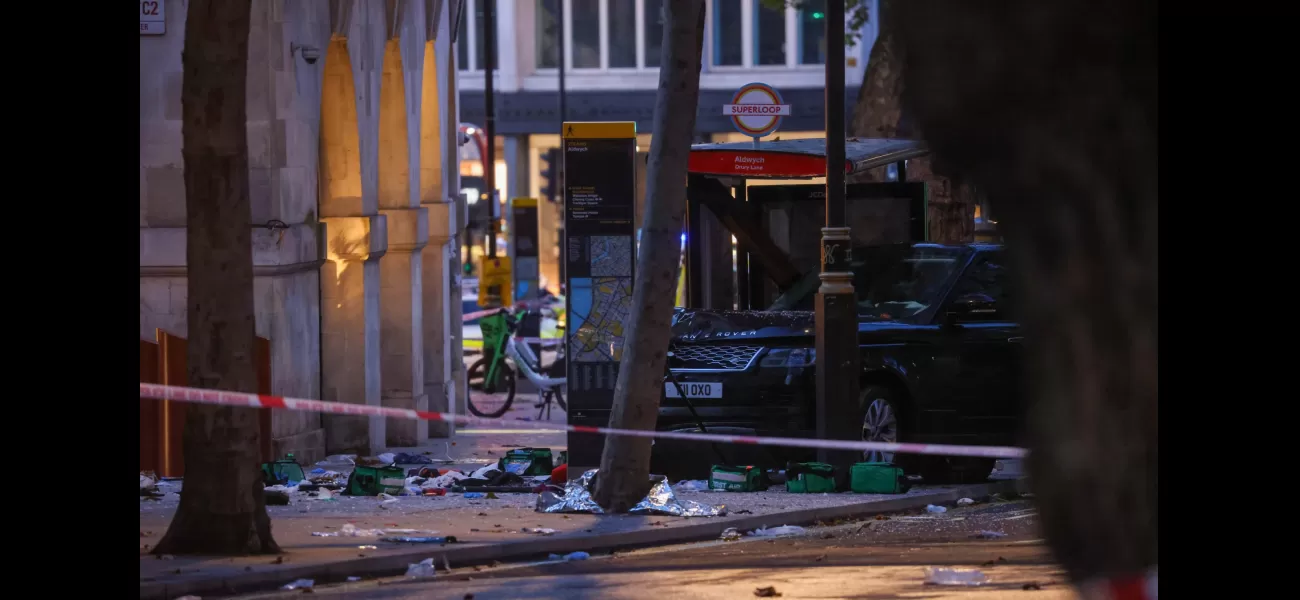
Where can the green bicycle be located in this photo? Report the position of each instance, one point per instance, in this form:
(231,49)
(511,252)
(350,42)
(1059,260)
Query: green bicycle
(498,373)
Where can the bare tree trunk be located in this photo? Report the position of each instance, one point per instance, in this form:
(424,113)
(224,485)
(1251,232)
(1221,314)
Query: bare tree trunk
(625,462)
(879,113)
(222,508)
(1052,107)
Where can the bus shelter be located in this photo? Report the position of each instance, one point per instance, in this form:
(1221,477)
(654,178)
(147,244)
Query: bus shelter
(777,228)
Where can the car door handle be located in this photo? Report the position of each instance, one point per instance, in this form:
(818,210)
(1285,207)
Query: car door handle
(1015,340)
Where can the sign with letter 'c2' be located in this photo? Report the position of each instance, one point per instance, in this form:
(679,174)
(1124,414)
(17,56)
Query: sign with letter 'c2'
(152,18)
(756,110)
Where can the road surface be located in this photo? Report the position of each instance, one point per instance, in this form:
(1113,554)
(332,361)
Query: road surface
(864,559)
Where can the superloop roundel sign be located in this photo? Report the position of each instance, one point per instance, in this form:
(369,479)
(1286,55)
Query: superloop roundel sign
(756,109)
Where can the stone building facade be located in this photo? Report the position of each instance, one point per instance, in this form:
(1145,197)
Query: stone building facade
(354,186)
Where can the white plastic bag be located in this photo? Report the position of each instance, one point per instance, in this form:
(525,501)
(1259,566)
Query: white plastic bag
(946,576)
(422,570)
(299,584)
(775,531)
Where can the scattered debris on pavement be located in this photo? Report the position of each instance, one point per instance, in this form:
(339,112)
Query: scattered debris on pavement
(989,535)
(421,570)
(299,584)
(353,578)
(538,530)
(570,556)
(660,500)
(776,531)
(965,502)
(935,509)
(408,539)
(961,577)
(730,535)
(767,592)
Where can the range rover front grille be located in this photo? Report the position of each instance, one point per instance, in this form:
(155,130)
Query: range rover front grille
(712,357)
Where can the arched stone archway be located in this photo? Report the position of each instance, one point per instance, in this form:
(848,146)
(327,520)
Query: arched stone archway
(340,140)
(401,323)
(354,242)
(444,366)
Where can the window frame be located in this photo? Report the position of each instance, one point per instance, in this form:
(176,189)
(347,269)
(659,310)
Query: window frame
(469,37)
(1007,312)
(749,37)
(604,68)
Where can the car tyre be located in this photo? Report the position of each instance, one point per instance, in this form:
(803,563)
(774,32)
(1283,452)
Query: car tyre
(883,420)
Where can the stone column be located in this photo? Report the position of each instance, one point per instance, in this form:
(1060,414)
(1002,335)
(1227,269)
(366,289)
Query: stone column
(439,189)
(440,328)
(350,296)
(402,322)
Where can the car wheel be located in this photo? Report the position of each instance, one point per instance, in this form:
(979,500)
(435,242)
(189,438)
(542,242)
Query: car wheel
(882,421)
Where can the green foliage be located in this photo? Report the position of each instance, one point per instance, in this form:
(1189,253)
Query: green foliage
(856,10)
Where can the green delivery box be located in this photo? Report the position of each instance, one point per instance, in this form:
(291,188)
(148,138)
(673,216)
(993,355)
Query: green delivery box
(371,481)
(526,462)
(737,479)
(878,478)
(810,478)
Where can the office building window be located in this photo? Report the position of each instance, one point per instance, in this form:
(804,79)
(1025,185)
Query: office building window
(548,34)
(600,34)
(584,34)
(628,34)
(769,34)
(728,26)
(812,33)
(471,36)
(652,19)
(620,22)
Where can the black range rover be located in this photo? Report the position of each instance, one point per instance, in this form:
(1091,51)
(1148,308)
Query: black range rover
(939,355)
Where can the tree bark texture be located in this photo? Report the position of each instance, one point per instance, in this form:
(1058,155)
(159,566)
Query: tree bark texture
(222,509)
(879,113)
(1052,108)
(625,462)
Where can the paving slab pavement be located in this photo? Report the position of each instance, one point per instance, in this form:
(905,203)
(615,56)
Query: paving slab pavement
(486,529)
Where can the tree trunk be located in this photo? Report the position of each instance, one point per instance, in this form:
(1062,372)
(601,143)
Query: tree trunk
(879,113)
(1052,108)
(625,462)
(222,508)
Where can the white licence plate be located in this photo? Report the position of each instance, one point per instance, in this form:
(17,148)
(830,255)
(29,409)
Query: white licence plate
(694,390)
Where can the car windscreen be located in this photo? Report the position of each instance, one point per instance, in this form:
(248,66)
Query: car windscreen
(890,282)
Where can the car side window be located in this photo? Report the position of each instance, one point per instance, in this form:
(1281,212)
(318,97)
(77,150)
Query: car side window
(988,275)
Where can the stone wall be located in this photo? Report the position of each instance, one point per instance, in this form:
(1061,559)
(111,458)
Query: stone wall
(315,187)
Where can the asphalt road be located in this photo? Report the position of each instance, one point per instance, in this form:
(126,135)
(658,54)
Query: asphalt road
(863,559)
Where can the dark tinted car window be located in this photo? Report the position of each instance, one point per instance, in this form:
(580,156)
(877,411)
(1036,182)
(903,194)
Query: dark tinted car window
(988,275)
(891,282)
(896,282)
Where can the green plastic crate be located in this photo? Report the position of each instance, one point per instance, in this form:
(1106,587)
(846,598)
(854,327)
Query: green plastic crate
(810,478)
(878,478)
(737,479)
(527,462)
(282,471)
(371,481)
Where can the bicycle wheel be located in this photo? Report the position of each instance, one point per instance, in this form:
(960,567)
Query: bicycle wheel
(490,406)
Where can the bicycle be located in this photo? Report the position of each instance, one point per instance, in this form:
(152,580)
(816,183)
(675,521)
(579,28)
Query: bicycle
(510,355)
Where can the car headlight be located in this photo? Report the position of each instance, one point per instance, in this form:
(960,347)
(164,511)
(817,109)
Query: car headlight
(789,357)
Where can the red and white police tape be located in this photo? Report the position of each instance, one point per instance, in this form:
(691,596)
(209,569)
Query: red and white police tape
(202,396)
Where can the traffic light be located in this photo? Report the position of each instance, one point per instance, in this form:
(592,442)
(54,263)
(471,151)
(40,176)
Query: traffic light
(469,269)
(552,174)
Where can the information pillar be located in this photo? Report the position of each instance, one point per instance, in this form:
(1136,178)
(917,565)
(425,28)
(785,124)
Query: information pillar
(599,258)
